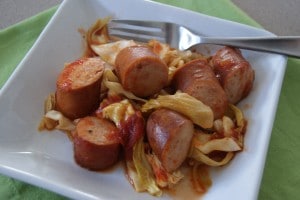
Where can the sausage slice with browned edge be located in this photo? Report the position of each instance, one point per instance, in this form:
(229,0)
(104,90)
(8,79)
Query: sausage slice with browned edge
(197,79)
(78,87)
(234,72)
(141,71)
(96,143)
(169,134)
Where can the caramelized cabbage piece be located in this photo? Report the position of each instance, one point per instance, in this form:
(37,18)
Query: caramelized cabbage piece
(185,104)
(239,116)
(227,138)
(118,112)
(98,33)
(138,169)
(206,143)
(49,103)
(56,120)
(141,174)
(203,158)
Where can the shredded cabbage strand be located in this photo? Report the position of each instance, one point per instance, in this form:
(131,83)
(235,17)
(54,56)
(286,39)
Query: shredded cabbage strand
(239,116)
(163,178)
(142,176)
(53,119)
(139,170)
(98,33)
(185,104)
(201,157)
(228,138)
(56,120)
(118,112)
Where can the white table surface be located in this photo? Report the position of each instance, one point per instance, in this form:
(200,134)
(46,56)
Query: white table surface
(281,17)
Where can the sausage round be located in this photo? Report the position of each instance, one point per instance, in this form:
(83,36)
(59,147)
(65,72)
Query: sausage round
(78,87)
(141,71)
(197,79)
(234,72)
(96,143)
(169,135)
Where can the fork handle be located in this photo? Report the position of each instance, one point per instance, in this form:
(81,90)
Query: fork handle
(286,45)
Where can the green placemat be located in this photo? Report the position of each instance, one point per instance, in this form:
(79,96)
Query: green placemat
(281,178)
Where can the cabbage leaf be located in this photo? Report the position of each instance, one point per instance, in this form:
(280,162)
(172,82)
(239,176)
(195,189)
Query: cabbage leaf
(185,104)
(227,138)
(144,179)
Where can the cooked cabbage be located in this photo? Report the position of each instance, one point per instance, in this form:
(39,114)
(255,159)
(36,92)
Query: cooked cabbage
(138,169)
(109,51)
(185,104)
(209,143)
(227,138)
(56,120)
(53,119)
(163,178)
(49,103)
(98,33)
(141,174)
(118,112)
(239,116)
(203,158)
(200,178)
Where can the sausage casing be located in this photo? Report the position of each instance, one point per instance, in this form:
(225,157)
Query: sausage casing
(169,134)
(234,72)
(78,87)
(197,79)
(141,71)
(96,143)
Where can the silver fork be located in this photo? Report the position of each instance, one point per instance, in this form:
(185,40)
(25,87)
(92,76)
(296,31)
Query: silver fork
(182,38)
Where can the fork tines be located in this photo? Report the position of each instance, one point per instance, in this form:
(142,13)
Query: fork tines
(141,31)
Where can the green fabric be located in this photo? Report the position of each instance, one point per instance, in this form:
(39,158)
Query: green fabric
(218,8)
(281,178)
(16,40)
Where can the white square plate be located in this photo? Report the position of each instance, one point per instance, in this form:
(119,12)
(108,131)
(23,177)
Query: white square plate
(46,159)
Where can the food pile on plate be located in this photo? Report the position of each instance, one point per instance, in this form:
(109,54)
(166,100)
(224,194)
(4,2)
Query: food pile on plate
(154,107)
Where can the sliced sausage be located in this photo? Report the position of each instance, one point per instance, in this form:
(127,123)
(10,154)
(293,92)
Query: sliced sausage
(141,71)
(78,87)
(234,72)
(169,134)
(96,143)
(197,79)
